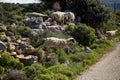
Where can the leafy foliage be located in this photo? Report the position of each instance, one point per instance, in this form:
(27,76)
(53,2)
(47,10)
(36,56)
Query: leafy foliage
(84,34)
(9,62)
(23,31)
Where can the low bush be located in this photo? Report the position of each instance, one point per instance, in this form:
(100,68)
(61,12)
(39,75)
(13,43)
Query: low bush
(77,57)
(9,62)
(34,70)
(24,31)
(62,69)
(51,76)
(62,56)
(83,34)
(76,67)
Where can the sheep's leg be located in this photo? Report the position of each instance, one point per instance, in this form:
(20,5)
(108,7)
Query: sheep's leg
(68,49)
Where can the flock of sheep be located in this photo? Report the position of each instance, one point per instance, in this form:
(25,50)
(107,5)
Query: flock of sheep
(60,18)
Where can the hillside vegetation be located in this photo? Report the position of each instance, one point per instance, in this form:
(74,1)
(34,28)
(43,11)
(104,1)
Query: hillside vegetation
(25,53)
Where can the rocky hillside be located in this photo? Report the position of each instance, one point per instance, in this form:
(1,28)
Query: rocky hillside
(39,43)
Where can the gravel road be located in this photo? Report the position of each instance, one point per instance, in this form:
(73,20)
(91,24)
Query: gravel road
(108,68)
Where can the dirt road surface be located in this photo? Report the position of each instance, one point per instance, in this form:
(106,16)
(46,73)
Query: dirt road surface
(108,68)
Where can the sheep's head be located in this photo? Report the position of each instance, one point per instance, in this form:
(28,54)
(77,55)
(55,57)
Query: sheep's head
(71,41)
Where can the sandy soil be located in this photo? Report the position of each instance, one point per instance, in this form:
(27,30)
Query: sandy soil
(108,68)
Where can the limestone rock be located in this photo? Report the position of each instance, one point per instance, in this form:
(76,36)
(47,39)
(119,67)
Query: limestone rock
(27,60)
(87,49)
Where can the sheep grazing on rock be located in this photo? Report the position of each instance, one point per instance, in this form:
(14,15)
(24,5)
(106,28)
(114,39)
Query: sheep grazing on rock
(61,17)
(57,43)
(58,16)
(111,33)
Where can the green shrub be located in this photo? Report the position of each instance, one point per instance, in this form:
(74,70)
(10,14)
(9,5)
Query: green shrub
(9,62)
(59,76)
(1,69)
(48,12)
(36,42)
(77,57)
(38,72)
(24,31)
(92,57)
(30,72)
(34,71)
(101,43)
(62,56)
(61,69)
(69,29)
(83,34)
(76,67)
(110,25)
(52,76)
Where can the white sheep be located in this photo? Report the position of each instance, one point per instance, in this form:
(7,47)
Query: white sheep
(63,16)
(58,16)
(57,42)
(111,33)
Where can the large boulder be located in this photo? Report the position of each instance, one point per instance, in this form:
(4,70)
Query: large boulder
(33,22)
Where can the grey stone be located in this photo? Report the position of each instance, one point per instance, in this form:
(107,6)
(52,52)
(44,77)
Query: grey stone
(2,46)
(33,22)
(8,33)
(27,60)
(87,49)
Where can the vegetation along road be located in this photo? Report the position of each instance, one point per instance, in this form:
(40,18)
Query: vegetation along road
(108,68)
